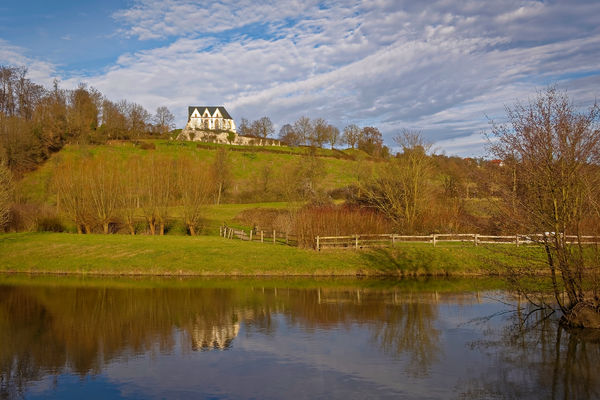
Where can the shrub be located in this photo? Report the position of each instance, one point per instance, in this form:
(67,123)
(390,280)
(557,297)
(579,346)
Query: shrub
(50,223)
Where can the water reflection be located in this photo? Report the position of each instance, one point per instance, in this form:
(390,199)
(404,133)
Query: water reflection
(252,340)
(535,357)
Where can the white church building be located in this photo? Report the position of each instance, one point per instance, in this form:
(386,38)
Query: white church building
(215,125)
(210,118)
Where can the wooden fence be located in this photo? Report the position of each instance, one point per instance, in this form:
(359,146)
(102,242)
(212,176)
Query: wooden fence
(390,239)
(363,241)
(263,236)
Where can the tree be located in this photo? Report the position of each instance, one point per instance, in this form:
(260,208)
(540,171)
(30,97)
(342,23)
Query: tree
(399,189)
(333,136)
(101,180)
(556,153)
(138,118)
(164,120)
(371,141)
(220,173)
(320,133)
(194,186)
(244,127)
(303,128)
(5,194)
(351,135)
(288,135)
(262,127)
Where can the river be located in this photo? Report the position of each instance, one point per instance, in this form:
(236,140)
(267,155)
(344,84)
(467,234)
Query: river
(64,337)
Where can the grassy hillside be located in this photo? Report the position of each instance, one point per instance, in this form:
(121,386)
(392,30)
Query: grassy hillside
(249,164)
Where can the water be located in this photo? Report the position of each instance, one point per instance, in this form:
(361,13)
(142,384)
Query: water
(265,339)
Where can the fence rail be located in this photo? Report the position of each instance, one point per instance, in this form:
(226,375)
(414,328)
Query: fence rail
(390,239)
(263,236)
(386,240)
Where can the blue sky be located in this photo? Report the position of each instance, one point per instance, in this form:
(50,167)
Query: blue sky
(437,66)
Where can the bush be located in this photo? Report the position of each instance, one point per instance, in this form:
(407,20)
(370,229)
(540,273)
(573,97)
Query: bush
(337,221)
(50,223)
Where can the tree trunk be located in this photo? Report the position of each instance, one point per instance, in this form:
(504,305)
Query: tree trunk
(105,228)
(131,228)
(162,228)
(192,230)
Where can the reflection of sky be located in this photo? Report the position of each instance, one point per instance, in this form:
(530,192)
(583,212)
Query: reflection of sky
(293,362)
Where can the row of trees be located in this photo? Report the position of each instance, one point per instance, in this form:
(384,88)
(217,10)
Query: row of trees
(101,192)
(317,133)
(36,121)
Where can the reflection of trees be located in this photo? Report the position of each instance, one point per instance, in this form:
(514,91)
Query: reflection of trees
(48,330)
(539,359)
(409,329)
(45,330)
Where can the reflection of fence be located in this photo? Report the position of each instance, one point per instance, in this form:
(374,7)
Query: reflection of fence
(364,241)
(386,240)
(269,236)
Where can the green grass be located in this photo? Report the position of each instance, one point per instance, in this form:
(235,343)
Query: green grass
(215,256)
(247,163)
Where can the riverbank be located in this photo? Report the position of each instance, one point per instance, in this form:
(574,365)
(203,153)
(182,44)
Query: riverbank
(62,253)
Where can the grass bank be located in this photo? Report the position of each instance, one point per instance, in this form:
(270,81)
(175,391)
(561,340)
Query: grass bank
(215,256)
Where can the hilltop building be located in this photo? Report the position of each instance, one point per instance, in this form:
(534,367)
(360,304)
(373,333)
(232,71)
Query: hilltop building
(215,125)
(210,118)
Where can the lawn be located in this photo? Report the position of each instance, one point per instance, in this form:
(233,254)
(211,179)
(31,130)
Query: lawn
(216,256)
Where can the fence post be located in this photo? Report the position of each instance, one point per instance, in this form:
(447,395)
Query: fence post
(274,235)
(251,234)
(286,238)
(517,240)
(262,236)
(393,239)
(356,242)
(476,239)
(318,247)
(434,239)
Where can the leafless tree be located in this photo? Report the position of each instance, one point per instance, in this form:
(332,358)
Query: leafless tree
(220,173)
(195,187)
(399,188)
(164,120)
(303,128)
(333,136)
(556,153)
(6,187)
(351,135)
(262,127)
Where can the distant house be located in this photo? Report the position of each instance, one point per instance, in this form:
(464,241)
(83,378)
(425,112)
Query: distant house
(215,125)
(210,119)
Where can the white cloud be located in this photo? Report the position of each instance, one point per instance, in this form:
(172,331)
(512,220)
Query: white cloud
(435,65)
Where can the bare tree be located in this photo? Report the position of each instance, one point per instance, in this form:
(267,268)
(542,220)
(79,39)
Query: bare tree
(220,173)
(289,136)
(72,196)
(556,154)
(399,189)
(194,186)
(320,133)
(351,135)
(164,120)
(262,127)
(129,190)
(6,187)
(333,136)
(100,180)
(303,128)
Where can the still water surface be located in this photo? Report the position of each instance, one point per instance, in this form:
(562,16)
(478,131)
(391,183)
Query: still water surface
(220,339)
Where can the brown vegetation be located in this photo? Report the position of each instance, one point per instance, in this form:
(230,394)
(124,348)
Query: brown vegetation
(553,188)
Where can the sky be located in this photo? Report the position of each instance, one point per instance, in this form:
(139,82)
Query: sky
(443,67)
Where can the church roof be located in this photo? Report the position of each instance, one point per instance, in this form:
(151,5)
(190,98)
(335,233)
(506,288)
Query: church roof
(211,110)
